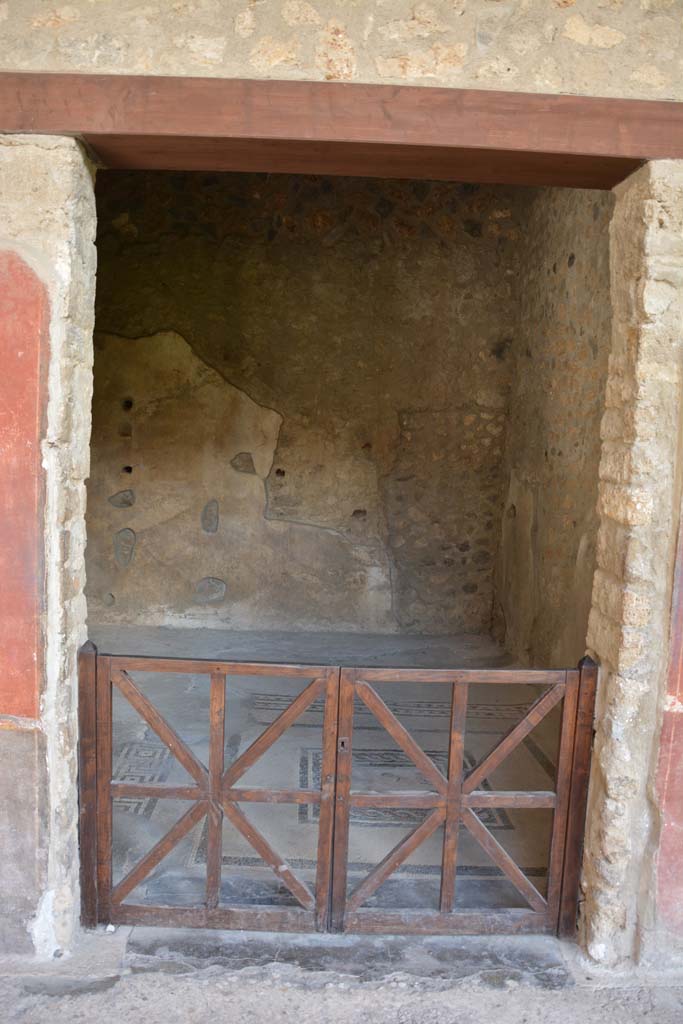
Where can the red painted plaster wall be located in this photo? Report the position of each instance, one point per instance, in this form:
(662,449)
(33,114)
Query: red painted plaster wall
(670,772)
(24,320)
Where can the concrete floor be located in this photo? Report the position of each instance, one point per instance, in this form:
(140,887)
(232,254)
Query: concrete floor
(378,764)
(163,977)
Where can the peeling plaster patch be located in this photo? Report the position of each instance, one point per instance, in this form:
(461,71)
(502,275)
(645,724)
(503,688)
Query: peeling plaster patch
(42,928)
(210,517)
(673,704)
(243,463)
(122,499)
(124,547)
(585,34)
(210,590)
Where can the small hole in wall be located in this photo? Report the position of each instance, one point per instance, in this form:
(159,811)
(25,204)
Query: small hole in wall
(571,259)
(127,469)
(359,513)
(127,404)
(279,472)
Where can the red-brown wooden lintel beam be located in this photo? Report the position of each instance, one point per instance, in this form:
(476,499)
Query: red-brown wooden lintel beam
(345,128)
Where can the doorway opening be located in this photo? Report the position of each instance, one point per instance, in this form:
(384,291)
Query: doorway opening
(345,432)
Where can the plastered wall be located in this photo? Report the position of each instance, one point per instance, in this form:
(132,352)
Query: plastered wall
(590,47)
(47,280)
(549,526)
(300,398)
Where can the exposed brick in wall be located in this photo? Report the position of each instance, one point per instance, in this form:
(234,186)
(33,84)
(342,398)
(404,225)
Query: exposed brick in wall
(639,505)
(325,364)
(46,301)
(615,47)
(563,337)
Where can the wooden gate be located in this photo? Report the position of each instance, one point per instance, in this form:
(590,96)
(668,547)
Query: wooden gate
(453,804)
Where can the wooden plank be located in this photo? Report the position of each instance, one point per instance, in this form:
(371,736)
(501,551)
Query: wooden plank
(401,736)
(545,703)
(158,723)
(214,847)
(272,796)
(456,750)
(205,666)
(251,918)
(371,160)
(393,860)
(104,810)
(159,790)
(115,112)
(408,798)
(270,735)
(502,859)
(340,852)
(563,778)
(425,922)
(199,666)
(509,798)
(576,817)
(298,889)
(327,803)
(160,850)
(480,676)
(87,781)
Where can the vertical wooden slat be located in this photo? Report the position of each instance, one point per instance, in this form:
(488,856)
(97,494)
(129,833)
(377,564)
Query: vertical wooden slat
(576,817)
(87,780)
(347,689)
(562,789)
(104,767)
(327,795)
(456,749)
(214,848)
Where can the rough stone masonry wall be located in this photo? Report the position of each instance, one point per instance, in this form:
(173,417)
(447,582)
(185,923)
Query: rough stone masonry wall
(606,48)
(47,226)
(300,393)
(549,528)
(639,507)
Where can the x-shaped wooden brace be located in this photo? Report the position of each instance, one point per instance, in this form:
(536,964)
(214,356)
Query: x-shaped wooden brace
(457,796)
(214,793)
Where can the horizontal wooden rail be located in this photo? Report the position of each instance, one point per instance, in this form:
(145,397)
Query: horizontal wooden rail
(134,121)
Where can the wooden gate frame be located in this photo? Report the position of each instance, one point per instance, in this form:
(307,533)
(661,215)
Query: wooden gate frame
(456,797)
(215,795)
